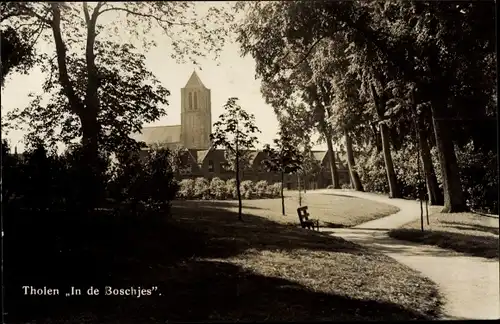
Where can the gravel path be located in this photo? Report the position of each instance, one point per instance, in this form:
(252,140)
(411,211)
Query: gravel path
(470,285)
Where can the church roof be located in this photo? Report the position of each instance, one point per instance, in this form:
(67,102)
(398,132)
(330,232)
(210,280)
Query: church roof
(159,134)
(194,82)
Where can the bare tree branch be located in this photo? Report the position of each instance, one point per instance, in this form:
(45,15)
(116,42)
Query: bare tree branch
(66,83)
(86,12)
(158,20)
(155,17)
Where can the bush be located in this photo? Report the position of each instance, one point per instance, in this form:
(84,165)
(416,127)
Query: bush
(231,189)
(186,190)
(247,189)
(158,186)
(43,180)
(147,182)
(479,176)
(261,189)
(218,189)
(275,190)
(346,186)
(201,188)
(371,169)
(221,190)
(48,181)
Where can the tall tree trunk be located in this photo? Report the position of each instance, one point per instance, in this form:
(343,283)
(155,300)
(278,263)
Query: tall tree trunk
(327,131)
(380,105)
(87,111)
(89,164)
(389,165)
(452,187)
(331,159)
(282,196)
(333,165)
(433,191)
(376,136)
(238,191)
(300,195)
(355,179)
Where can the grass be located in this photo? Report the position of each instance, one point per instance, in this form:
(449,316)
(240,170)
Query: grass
(207,266)
(332,210)
(468,233)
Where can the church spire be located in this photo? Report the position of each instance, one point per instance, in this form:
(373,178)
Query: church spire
(194,81)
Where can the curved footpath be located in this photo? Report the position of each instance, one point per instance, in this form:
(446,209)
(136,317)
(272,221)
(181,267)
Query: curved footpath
(469,285)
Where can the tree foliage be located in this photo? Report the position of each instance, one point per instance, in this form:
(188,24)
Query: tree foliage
(235,132)
(17,54)
(384,65)
(129,95)
(99,86)
(284,158)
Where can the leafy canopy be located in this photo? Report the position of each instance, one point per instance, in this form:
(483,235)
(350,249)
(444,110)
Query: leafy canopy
(94,60)
(284,156)
(235,131)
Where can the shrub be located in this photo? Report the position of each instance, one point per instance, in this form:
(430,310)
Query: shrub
(218,188)
(247,189)
(186,190)
(275,190)
(346,186)
(201,188)
(148,182)
(128,175)
(479,176)
(158,186)
(231,189)
(330,187)
(44,180)
(371,169)
(261,189)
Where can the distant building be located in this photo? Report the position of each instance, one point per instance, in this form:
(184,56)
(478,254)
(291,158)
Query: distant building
(203,160)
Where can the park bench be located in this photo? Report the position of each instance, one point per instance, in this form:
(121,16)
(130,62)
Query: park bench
(305,222)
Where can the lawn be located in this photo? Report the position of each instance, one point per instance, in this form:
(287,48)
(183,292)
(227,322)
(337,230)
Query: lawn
(332,210)
(207,266)
(469,233)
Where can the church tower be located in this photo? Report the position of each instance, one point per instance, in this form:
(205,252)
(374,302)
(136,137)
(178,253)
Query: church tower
(196,114)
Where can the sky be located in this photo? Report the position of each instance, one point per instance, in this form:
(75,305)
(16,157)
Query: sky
(230,76)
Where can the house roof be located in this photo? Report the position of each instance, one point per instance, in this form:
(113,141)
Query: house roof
(201,155)
(194,81)
(159,134)
(252,154)
(319,155)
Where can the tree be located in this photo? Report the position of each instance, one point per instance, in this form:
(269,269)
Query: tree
(235,131)
(439,46)
(178,160)
(76,30)
(283,158)
(17,54)
(290,95)
(444,56)
(130,96)
(297,121)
